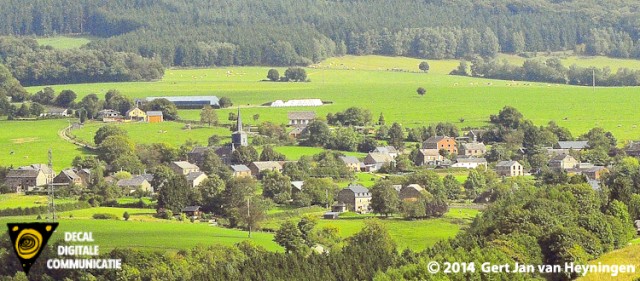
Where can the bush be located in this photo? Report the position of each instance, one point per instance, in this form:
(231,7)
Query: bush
(104,216)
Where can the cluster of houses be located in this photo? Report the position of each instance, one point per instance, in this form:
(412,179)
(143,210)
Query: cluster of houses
(357,198)
(133,115)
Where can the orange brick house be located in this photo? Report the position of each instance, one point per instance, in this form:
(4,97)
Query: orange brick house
(441,142)
(155,116)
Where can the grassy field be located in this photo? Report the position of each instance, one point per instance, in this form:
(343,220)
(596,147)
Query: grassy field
(28,142)
(448,98)
(142,231)
(14,200)
(64,42)
(629,255)
(415,235)
(166,132)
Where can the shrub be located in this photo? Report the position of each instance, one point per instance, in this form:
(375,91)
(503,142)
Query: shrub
(104,216)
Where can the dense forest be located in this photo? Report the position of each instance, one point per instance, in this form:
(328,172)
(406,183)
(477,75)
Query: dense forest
(32,64)
(279,32)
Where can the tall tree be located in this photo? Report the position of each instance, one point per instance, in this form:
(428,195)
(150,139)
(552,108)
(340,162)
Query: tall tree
(208,115)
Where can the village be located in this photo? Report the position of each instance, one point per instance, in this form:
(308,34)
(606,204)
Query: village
(437,153)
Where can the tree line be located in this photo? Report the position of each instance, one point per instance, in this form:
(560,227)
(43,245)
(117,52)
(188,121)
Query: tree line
(550,70)
(33,65)
(206,33)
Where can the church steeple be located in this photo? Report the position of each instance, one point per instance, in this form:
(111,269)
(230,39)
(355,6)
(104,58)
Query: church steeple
(239,122)
(239,137)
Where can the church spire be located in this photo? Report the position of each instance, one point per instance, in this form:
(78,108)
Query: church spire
(239,122)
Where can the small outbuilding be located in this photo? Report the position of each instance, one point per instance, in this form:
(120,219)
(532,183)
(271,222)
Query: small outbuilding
(331,215)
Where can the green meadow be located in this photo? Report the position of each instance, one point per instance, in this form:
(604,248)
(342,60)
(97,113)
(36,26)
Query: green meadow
(14,200)
(64,42)
(365,82)
(28,142)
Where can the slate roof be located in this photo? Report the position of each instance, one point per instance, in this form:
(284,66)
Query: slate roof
(134,181)
(435,139)
(573,144)
(474,146)
(23,173)
(471,160)
(44,167)
(56,110)
(185,165)
(301,115)
(154,113)
(350,159)
(148,177)
(267,165)
(380,157)
(506,163)
(194,175)
(358,189)
(213,100)
(430,152)
(70,174)
(560,157)
(240,168)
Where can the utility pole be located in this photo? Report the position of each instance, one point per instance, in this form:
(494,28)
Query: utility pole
(594,78)
(52,206)
(249,217)
(327,194)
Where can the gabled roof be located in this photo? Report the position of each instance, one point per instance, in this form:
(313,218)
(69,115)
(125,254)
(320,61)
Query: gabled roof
(133,109)
(595,169)
(194,175)
(301,115)
(385,149)
(397,187)
(134,181)
(23,173)
(267,165)
(380,157)
(199,150)
(507,163)
(356,188)
(471,160)
(191,209)
(43,167)
(185,165)
(240,168)
(154,113)
(350,159)
(573,144)
(70,174)
(474,146)
(56,110)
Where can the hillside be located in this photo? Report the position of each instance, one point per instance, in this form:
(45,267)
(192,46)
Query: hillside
(278,32)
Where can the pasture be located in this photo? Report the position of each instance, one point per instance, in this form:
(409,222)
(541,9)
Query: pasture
(64,42)
(364,82)
(28,142)
(14,200)
(416,235)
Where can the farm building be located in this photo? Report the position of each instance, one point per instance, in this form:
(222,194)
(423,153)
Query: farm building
(469,162)
(356,197)
(190,102)
(374,161)
(392,151)
(441,142)
(134,183)
(240,171)
(473,149)
(155,116)
(261,166)
(192,211)
(67,177)
(331,215)
(563,162)
(108,115)
(291,103)
(339,207)
(509,169)
(411,192)
(55,111)
(48,172)
(573,145)
(136,114)
(184,167)
(301,118)
(195,178)
(429,157)
(25,180)
(352,163)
